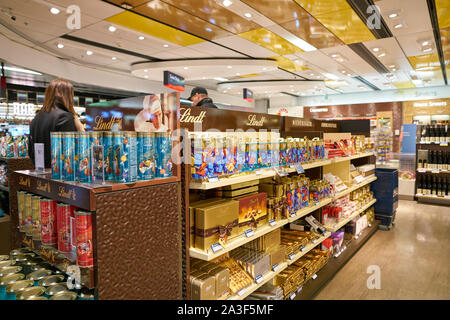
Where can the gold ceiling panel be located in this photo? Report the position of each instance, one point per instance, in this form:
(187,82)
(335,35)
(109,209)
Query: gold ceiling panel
(288,64)
(443,13)
(338,17)
(181,20)
(296,20)
(139,23)
(428,66)
(251,75)
(270,41)
(404,85)
(209,10)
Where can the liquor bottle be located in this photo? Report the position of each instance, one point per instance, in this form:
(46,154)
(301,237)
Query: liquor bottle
(427,133)
(439,188)
(448,160)
(439,160)
(446,186)
(434,187)
(428,159)
(420,164)
(419,185)
(448,133)
(427,186)
(431,161)
(443,137)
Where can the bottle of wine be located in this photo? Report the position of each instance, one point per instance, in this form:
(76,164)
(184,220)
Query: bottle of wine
(446,186)
(419,185)
(448,133)
(442,137)
(420,164)
(448,161)
(439,186)
(434,187)
(439,160)
(428,186)
(427,133)
(428,159)
(431,164)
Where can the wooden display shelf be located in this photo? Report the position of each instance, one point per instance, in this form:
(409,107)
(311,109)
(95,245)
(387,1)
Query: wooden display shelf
(266,173)
(242,239)
(355,187)
(74,193)
(339,225)
(308,248)
(311,287)
(348,158)
(270,274)
(432,171)
(434,199)
(442,144)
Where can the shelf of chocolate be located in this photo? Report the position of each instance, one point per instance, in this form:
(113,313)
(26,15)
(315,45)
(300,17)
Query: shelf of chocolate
(311,287)
(254,175)
(269,275)
(342,223)
(367,180)
(61,261)
(356,156)
(243,239)
(74,193)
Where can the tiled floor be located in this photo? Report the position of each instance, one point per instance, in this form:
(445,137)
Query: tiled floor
(414,259)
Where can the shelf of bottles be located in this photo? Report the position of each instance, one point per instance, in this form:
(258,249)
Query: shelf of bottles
(433,162)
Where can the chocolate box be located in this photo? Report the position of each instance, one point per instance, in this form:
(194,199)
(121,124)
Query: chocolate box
(216,222)
(272,240)
(252,211)
(233,193)
(272,190)
(277,255)
(203,287)
(222,276)
(192,207)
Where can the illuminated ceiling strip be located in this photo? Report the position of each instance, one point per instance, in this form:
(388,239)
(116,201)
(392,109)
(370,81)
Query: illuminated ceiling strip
(437,36)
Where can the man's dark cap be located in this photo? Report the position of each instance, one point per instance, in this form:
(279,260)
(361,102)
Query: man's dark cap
(198,90)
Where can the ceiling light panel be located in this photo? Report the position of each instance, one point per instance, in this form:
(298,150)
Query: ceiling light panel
(271,41)
(409,13)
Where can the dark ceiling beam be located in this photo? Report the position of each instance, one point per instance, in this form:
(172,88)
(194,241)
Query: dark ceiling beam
(360,7)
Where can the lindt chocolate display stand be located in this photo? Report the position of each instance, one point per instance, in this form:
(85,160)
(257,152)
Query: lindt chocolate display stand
(136,225)
(198,269)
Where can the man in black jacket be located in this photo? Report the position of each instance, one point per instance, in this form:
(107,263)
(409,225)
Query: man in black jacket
(199,97)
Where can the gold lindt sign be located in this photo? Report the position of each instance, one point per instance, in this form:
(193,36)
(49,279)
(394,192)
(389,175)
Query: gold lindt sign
(253,122)
(43,186)
(102,124)
(24,181)
(328,125)
(302,123)
(186,116)
(70,194)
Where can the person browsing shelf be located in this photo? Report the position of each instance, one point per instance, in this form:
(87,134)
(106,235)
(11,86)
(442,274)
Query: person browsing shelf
(199,98)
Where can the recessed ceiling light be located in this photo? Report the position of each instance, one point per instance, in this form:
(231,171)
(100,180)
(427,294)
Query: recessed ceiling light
(425,43)
(427,50)
(229,67)
(264,69)
(165,45)
(376,49)
(248,15)
(146,76)
(398,26)
(238,74)
(54,10)
(141,37)
(204,78)
(112,29)
(145,70)
(185,68)
(382,55)
(89,53)
(60,45)
(334,55)
(227,3)
(208,29)
(393,15)
(311,74)
(114,58)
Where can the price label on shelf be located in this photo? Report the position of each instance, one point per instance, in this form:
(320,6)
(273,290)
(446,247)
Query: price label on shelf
(242,292)
(272,222)
(356,237)
(359,179)
(292,296)
(293,215)
(258,278)
(258,172)
(314,276)
(275,267)
(314,240)
(299,289)
(445,144)
(302,248)
(422,170)
(435,171)
(213,179)
(249,233)
(280,172)
(216,247)
(299,168)
(291,256)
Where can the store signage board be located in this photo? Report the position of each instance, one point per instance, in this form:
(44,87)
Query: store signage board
(275,267)
(39,162)
(216,247)
(259,278)
(272,223)
(248,95)
(173,81)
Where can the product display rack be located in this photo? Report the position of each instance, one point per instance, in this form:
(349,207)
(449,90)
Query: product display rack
(421,172)
(342,223)
(311,287)
(290,127)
